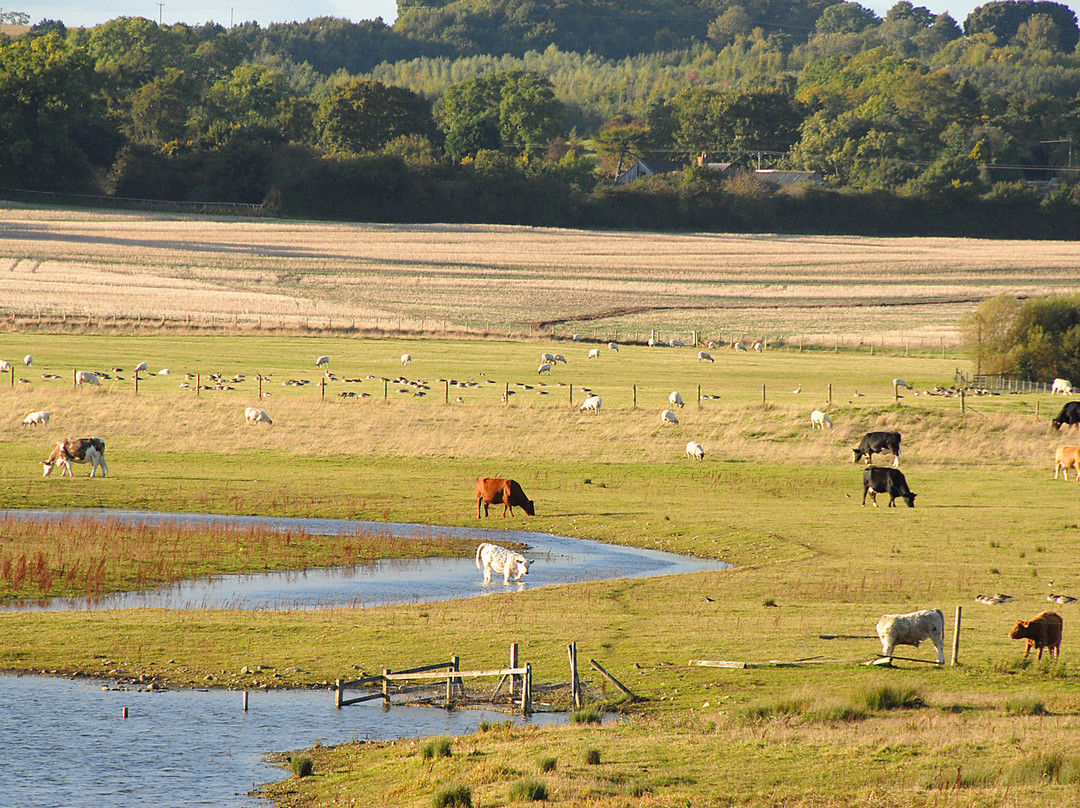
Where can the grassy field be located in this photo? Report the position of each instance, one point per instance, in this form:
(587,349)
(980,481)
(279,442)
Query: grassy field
(69,267)
(775,498)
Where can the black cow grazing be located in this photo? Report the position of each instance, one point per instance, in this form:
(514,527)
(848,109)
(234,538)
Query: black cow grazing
(877,480)
(1070,414)
(877,442)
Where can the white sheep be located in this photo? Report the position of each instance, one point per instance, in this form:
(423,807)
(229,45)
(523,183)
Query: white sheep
(705,356)
(544,368)
(256,416)
(576,338)
(142,366)
(676,343)
(819,419)
(652,342)
(594,353)
(675,399)
(613,346)
(164,372)
(560,358)
(901,383)
(547,357)
(694,451)
(40,418)
(592,404)
(28,360)
(668,417)
(711,345)
(406,358)
(5,366)
(86,377)
(759,347)
(738,346)
(322,360)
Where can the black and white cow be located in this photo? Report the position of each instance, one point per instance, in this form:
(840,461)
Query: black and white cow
(1070,414)
(883,480)
(877,442)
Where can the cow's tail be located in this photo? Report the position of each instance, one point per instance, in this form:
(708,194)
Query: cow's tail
(479,549)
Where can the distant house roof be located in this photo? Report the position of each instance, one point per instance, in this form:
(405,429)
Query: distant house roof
(786,178)
(649,168)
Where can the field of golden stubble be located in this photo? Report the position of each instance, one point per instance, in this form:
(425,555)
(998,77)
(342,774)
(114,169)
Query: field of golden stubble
(414,277)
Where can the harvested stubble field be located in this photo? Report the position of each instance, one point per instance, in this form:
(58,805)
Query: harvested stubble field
(199,272)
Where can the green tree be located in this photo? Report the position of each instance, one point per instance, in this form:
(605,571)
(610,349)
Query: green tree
(363,115)
(737,123)
(159,109)
(1003,19)
(845,18)
(130,51)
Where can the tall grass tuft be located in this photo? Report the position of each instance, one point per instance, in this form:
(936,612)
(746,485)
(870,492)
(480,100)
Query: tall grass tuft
(592,757)
(528,791)
(302,766)
(588,714)
(887,697)
(1025,705)
(436,748)
(546,764)
(459,796)
(1045,767)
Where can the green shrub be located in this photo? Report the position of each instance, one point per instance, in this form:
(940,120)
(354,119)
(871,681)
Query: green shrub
(1025,705)
(436,748)
(302,765)
(887,697)
(453,797)
(546,764)
(528,791)
(589,714)
(592,757)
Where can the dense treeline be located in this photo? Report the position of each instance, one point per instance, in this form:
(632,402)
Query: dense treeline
(510,112)
(1037,338)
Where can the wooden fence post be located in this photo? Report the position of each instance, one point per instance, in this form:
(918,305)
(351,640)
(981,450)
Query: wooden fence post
(514,677)
(1036,410)
(386,685)
(337,696)
(136,382)
(830,392)
(896,392)
(762,394)
(526,691)
(198,384)
(323,385)
(699,396)
(575,683)
(450,680)
(635,396)
(962,405)
(956,637)
(260,387)
(385,388)
(447,391)
(506,392)
(74,378)
(571,394)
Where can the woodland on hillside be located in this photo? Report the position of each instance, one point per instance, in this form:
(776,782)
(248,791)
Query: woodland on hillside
(512,111)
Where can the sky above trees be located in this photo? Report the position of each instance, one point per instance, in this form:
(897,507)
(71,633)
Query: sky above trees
(194,12)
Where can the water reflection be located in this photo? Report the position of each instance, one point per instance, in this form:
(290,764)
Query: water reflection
(559,560)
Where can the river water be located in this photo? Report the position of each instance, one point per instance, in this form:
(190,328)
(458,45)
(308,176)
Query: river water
(65,744)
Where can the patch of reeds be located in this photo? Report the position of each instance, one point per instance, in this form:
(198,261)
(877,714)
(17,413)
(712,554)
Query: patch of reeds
(588,714)
(1025,705)
(890,697)
(528,791)
(457,796)
(436,748)
(301,765)
(546,764)
(592,757)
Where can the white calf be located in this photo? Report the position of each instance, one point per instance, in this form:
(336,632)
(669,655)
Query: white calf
(40,418)
(668,417)
(493,558)
(675,399)
(911,629)
(1063,386)
(254,415)
(819,419)
(694,451)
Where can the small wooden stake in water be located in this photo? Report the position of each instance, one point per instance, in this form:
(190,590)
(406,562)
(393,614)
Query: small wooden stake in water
(125,712)
(245,700)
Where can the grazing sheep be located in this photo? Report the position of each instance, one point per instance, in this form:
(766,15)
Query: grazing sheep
(86,377)
(592,404)
(652,342)
(256,416)
(738,346)
(704,355)
(819,419)
(901,383)
(711,345)
(694,451)
(668,417)
(5,366)
(675,399)
(142,366)
(547,357)
(544,368)
(613,346)
(40,418)
(322,360)
(576,338)
(594,353)
(676,343)
(28,360)
(759,347)
(560,358)
(406,358)
(164,372)
(1041,631)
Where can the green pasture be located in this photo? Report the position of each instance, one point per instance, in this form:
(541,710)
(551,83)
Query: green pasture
(780,501)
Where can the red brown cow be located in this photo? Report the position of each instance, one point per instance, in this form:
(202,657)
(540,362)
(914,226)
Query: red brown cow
(493,490)
(1043,630)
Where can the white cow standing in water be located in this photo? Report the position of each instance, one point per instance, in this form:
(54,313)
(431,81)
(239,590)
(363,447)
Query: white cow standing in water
(492,557)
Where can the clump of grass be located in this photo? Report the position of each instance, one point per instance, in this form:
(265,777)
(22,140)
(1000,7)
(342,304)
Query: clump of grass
(836,712)
(1025,705)
(436,748)
(302,766)
(592,757)
(785,708)
(768,602)
(453,797)
(528,791)
(887,697)
(1045,767)
(546,764)
(589,714)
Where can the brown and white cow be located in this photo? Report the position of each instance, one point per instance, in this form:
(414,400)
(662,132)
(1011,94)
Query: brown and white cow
(1065,458)
(1041,631)
(77,450)
(495,490)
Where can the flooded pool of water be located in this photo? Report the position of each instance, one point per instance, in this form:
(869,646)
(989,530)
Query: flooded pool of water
(65,742)
(559,560)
